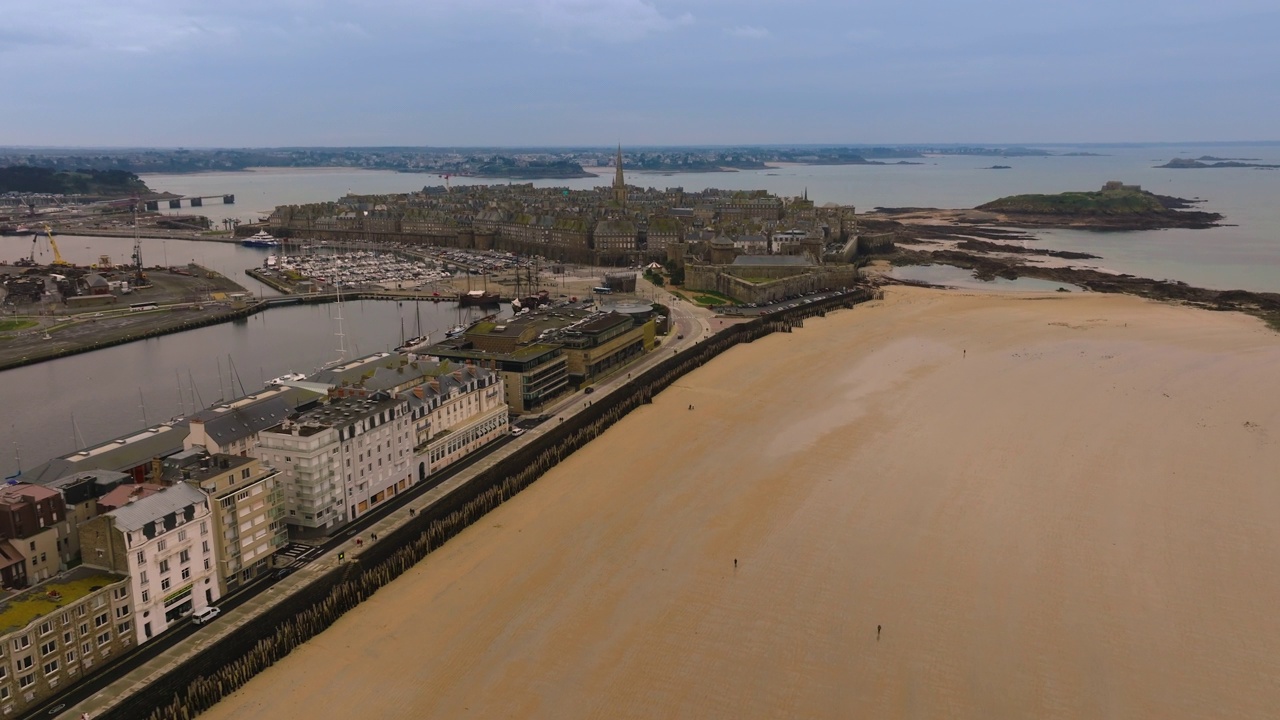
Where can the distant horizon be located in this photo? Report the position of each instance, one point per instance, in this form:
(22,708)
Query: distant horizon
(682,146)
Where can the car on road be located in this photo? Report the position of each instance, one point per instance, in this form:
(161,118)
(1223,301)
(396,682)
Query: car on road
(517,432)
(588,390)
(206,615)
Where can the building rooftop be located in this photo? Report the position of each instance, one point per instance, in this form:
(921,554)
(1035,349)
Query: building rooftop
(119,497)
(124,453)
(87,485)
(21,609)
(25,492)
(338,412)
(173,499)
(242,418)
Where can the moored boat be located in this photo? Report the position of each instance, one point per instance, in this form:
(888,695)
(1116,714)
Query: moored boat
(262,239)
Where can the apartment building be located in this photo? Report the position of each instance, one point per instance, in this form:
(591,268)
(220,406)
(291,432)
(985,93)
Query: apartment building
(52,634)
(340,460)
(247,504)
(165,544)
(35,533)
(454,414)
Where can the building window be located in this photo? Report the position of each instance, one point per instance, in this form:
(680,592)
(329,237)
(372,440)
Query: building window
(164,565)
(51,667)
(206,563)
(84,629)
(142,557)
(160,546)
(164,583)
(182,535)
(4,692)
(104,638)
(71,656)
(204,546)
(21,643)
(184,556)
(48,648)
(46,627)
(186,573)
(204,528)
(101,620)
(122,611)
(24,663)
(146,596)
(123,627)
(26,681)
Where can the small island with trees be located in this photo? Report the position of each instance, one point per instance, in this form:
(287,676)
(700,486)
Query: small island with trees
(1115,207)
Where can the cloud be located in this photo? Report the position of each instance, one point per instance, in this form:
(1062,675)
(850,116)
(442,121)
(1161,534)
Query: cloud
(747,31)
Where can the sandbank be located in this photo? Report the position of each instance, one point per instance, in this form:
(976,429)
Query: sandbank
(1053,506)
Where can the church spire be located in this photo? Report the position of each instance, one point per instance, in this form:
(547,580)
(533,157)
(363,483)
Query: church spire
(619,184)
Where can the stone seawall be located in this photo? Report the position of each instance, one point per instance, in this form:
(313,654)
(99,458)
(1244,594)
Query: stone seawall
(198,683)
(766,284)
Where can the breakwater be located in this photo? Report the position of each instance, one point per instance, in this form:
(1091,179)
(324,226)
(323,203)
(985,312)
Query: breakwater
(225,665)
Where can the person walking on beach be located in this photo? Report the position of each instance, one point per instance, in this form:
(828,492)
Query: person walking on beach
(877,633)
(735,563)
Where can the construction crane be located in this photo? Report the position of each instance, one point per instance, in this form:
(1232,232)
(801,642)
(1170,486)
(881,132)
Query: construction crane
(139,277)
(57,256)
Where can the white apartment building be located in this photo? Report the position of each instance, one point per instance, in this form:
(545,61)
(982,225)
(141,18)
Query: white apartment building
(454,414)
(165,544)
(340,460)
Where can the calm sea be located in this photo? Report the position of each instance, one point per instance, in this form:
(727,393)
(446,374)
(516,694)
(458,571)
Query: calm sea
(102,390)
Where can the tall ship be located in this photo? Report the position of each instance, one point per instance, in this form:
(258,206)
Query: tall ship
(475,298)
(262,239)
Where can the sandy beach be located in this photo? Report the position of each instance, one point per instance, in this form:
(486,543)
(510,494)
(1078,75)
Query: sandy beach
(1052,506)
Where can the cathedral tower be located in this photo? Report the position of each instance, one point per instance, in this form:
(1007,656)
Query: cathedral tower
(619,184)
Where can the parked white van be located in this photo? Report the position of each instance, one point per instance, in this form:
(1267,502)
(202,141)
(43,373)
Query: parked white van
(205,615)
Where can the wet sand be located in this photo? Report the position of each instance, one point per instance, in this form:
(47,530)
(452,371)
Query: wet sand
(1059,506)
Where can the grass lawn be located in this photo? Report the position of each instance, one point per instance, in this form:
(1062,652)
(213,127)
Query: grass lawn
(16,324)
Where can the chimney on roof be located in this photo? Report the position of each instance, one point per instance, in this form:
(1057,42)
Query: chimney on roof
(419,392)
(156,468)
(435,384)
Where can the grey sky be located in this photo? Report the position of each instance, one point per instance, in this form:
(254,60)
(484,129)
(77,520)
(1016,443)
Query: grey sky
(557,72)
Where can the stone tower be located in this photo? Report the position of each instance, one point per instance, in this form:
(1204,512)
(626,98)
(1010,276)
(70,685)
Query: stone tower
(619,184)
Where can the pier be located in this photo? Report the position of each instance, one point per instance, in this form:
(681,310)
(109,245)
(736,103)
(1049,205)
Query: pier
(194,201)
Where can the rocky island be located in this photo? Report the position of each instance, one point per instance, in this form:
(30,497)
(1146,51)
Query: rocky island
(1115,207)
(1211,162)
